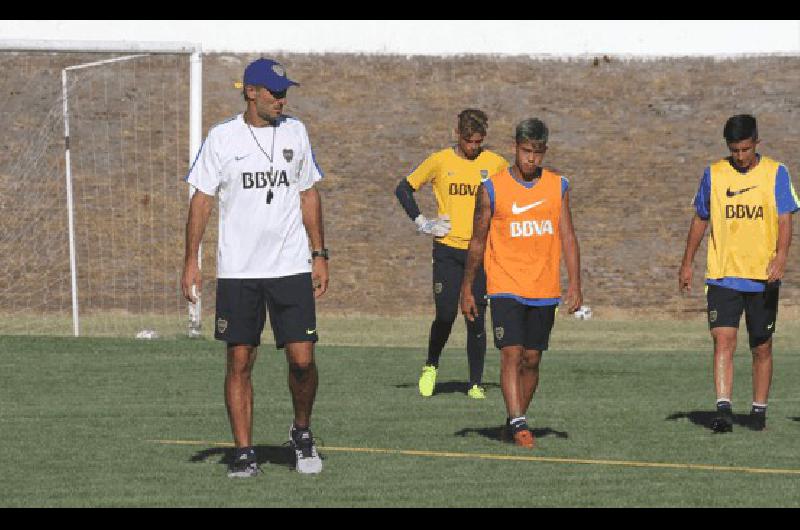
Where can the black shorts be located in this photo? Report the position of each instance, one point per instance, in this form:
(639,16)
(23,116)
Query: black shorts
(517,324)
(448,274)
(725,308)
(242,306)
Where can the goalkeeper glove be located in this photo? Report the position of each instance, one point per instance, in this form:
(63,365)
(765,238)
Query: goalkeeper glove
(438,227)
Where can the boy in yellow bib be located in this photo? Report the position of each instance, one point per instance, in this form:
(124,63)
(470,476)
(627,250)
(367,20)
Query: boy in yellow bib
(748,199)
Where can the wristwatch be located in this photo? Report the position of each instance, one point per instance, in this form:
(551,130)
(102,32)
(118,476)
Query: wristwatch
(319,253)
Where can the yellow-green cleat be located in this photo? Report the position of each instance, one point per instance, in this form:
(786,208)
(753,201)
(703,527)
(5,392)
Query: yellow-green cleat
(477,392)
(427,381)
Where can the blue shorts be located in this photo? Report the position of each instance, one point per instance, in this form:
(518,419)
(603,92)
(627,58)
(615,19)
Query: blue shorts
(242,306)
(517,324)
(725,307)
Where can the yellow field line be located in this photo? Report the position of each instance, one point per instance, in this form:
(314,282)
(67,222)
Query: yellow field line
(518,458)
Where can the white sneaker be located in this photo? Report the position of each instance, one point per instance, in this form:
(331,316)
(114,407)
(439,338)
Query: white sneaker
(307,459)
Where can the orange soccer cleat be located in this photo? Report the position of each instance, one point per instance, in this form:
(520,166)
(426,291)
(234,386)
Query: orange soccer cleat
(524,438)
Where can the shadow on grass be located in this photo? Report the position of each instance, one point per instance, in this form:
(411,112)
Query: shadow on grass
(496,433)
(705,418)
(265,454)
(795,418)
(450,387)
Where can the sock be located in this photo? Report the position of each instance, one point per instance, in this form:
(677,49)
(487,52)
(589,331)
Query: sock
(723,404)
(249,451)
(759,408)
(518,423)
(476,349)
(440,332)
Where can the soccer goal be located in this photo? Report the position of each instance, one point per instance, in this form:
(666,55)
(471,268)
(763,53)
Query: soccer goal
(97,138)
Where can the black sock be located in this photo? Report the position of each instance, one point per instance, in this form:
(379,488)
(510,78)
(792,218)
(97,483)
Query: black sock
(440,332)
(249,451)
(476,349)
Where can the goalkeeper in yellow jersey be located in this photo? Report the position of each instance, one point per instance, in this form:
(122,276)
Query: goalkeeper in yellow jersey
(455,174)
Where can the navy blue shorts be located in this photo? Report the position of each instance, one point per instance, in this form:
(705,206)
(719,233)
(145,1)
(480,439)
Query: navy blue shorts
(725,307)
(242,306)
(448,274)
(517,324)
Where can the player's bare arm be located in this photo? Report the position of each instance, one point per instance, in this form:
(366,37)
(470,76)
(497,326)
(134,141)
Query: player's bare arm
(311,207)
(477,246)
(696,232)
(777,266)
(572,257)
(199,213)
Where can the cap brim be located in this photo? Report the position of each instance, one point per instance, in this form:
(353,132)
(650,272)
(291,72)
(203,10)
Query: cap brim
(283,86)
(278,87)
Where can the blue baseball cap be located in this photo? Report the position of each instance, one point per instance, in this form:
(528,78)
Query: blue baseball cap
(267,73)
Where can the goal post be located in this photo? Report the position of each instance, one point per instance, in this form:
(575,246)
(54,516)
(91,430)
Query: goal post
(28,152)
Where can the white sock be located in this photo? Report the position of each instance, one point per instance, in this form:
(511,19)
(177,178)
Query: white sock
(517,421)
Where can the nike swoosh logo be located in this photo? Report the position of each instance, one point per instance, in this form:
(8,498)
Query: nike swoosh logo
(240,157)
(310,331)
(730,193)
(520,209)
(769,328)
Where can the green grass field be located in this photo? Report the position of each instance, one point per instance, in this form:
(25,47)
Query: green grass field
(620,419)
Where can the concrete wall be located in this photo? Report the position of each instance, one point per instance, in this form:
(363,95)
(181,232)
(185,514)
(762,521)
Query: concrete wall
(550,38)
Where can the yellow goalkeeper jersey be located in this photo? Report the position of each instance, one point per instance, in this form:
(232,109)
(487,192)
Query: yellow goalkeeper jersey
(455,182)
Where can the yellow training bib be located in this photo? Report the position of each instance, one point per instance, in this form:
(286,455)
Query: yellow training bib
(744,220)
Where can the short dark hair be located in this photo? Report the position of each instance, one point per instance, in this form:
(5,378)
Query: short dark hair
(471,121)
(532,129)
(740,127)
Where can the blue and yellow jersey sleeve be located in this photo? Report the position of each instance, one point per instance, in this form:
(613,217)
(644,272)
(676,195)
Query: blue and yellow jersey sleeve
(489,187)
(702,199)
(785,196)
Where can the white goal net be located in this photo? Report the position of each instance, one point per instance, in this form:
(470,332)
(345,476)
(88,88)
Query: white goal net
(129,135)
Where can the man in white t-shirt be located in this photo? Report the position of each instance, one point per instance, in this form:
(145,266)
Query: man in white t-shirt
(261,167)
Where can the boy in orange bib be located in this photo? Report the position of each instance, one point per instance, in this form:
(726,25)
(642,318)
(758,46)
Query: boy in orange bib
(522,223)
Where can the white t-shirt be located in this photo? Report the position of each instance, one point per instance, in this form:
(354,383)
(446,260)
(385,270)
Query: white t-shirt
(258,174)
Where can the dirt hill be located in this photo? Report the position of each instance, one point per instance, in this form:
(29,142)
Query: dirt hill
(633,137)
